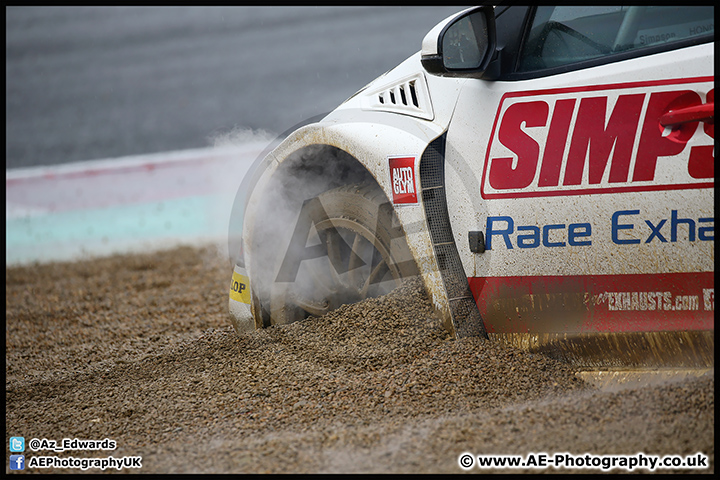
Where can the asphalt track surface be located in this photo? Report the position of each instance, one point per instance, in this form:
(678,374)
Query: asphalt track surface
(118,118)
(86,83)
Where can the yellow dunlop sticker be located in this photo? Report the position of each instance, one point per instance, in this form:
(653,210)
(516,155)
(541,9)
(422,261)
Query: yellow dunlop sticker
(239,290)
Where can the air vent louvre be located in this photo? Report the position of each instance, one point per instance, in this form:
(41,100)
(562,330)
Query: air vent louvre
(413,94)
(408,96)
(400,92)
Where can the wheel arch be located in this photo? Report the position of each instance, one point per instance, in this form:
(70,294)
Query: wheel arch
(322,157)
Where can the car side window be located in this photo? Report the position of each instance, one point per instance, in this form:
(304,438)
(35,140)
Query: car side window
(571,34)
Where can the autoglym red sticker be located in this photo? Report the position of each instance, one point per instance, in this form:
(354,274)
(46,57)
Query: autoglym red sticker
(402,179)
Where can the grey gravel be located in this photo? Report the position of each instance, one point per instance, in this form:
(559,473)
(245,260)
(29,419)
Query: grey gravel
(139,349)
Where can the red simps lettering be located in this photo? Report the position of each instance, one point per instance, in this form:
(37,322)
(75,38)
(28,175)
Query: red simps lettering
(652,142)
(555,146)
(597,139)
(702,158)
(594,140)
(502,174)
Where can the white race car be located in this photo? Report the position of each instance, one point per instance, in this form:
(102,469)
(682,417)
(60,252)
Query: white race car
(547,171)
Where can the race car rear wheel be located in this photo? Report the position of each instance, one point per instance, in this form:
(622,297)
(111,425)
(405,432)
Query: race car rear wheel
(347,246)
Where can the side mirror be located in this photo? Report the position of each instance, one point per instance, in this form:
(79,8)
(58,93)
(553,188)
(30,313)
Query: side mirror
(461,45)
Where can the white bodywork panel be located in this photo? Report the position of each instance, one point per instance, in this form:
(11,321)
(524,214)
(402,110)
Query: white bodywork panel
(467,175)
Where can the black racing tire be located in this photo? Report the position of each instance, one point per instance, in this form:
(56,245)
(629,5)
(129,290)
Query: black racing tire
(359,251)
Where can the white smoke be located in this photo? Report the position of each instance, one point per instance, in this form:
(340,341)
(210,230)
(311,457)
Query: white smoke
(236,152)
(238,137)
(303,176)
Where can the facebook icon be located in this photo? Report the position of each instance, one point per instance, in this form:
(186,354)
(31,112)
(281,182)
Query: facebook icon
(17,462)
